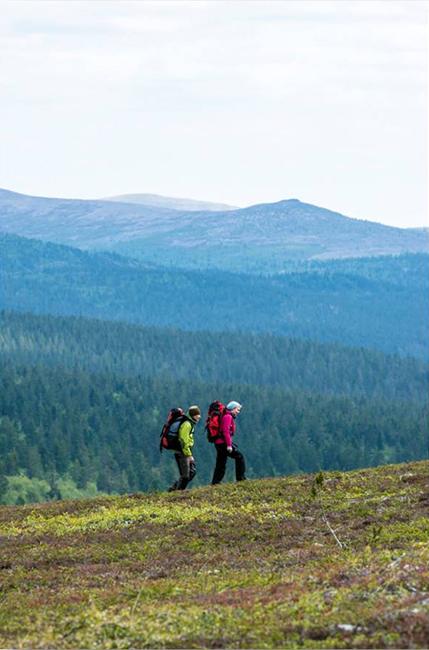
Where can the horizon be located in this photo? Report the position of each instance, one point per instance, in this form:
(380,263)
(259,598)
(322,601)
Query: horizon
(247,102)
(183,198)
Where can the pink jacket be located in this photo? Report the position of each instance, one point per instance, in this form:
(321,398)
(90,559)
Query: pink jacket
(227,430)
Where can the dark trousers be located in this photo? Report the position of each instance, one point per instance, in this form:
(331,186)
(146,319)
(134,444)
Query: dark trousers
(187,472)
(221,458)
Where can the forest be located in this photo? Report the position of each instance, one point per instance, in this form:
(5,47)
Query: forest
(374,304)
(330,360)
(82,404)
(234,357)
(71,431)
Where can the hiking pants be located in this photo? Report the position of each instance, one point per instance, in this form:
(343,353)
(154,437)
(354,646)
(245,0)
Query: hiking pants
(187,471)
(221,457)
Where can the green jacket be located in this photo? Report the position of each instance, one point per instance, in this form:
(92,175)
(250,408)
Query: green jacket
(186,436)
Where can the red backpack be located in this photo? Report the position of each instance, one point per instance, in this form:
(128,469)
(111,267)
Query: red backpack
(170,430)
(214,420)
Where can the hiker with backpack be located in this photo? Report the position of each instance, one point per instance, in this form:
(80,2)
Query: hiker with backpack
(220,426)
(178,435)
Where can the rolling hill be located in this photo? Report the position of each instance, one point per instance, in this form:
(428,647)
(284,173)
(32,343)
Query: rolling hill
(240,358)
(377,303)
(260,237)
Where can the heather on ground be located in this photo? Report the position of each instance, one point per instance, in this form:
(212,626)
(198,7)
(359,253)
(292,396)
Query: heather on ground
(327,560)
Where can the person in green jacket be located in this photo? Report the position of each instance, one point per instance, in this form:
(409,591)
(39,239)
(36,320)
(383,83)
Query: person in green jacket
(184,458)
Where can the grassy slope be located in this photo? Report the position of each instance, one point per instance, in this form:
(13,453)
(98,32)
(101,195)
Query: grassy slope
(244,565)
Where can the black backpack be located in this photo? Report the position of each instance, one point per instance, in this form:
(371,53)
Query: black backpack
(170,430)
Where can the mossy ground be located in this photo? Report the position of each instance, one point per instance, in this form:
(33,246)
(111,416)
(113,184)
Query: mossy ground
(248,565)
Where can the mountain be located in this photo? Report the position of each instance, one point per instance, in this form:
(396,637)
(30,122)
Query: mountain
(155,200)
(258,238)
(332,560)
(85,224)
(377,303)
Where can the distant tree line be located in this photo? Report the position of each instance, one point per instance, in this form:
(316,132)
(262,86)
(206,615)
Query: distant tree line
(244,358)
(69,432)
(376,305)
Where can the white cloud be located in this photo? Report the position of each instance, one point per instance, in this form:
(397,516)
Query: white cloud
(267,84)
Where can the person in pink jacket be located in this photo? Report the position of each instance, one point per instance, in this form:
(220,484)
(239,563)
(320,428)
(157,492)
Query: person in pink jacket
(225,448)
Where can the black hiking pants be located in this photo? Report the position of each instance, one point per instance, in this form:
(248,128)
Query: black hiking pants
(187,471)
(221,457)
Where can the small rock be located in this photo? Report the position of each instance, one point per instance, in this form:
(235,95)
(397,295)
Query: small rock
(328,596)
(346,627)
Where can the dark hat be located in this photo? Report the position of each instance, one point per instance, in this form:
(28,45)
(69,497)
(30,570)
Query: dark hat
(194,410)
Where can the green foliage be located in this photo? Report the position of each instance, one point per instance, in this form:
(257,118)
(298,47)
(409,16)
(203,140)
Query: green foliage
(69,490)
(22,489)
(62,425)
(237,358)
(317,484)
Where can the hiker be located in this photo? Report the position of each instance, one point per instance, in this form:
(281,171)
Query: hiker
(225,448)
(184,458)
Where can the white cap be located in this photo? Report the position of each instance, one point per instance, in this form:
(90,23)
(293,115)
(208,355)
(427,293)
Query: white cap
(233,405)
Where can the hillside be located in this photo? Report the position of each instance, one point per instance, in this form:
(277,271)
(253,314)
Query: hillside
(267,237)
(239,358)
(378,303)
(337,560)
(258,237)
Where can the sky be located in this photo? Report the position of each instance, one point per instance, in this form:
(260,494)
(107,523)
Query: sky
(229,101)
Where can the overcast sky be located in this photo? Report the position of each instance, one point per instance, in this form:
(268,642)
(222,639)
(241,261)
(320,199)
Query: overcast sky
(239,102)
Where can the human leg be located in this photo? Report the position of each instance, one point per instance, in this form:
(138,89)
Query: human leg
(240,464)
(219,471)
(187,472)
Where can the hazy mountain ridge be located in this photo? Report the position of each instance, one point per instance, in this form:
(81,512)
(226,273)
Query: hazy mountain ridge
(156,200)
(81,223)
(267,234)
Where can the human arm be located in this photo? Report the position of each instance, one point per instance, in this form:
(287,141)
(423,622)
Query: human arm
(227,425)
(186,438)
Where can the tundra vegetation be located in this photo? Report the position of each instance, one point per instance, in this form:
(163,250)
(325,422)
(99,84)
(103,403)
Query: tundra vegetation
(327,560)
